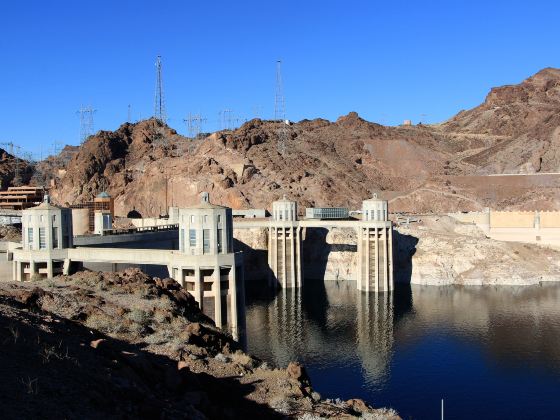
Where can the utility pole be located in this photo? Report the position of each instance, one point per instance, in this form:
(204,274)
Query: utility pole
(159,101)
(86,122)
(129,114)
(280,110)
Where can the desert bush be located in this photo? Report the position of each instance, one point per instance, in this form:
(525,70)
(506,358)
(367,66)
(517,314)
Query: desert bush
(139,316)
(106,324)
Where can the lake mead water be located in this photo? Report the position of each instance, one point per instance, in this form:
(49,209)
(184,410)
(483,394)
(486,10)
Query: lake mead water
(489,352)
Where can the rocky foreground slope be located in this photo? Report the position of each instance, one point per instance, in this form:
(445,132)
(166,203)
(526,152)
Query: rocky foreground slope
(148,166)
(125,345)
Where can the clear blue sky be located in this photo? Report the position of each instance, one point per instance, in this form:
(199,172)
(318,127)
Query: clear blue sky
(387,60)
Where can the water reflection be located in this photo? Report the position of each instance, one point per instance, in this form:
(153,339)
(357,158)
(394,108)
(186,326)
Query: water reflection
(409,348)
(374,326)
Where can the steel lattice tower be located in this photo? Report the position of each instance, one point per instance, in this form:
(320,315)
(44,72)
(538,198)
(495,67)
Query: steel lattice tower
(159,102)
(280,110)
(86,122)
(279,101)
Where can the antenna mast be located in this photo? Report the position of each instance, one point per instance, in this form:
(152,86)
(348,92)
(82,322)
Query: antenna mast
(159,103)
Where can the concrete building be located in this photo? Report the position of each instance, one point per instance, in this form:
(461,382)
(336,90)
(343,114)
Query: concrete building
(375,247)
(102,202)
(103,220)
(284,245)
(206,264)
(46,233)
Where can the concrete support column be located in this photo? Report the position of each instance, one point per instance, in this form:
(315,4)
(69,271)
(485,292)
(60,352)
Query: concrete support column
(217,296)
(50,269)
(274,266)
(19,271)
(385,261)
(14,270)
(367,279)
(232,291)
(359,271)
(391,281)
(293,256)
(270,229)
(181,271)
(66,267)
(376,279)
(284,274)
(32,268)
(198,287)
(299,258)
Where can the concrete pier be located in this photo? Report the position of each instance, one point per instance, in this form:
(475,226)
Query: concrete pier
(284,250)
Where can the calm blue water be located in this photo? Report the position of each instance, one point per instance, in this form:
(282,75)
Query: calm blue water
(490,353)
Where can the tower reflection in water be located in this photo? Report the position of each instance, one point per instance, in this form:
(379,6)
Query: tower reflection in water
(374,341)
(327,325)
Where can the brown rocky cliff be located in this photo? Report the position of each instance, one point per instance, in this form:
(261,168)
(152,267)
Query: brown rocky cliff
(148,166)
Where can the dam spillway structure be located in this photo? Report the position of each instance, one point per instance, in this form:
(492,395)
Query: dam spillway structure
(285,245)
(375,247)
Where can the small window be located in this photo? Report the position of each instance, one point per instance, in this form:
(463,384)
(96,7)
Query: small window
(54,218)
(30,238)
(42,238)
(280,214)
(42,218)
(219,218)
(220,240)
(192,237)
(192,218)
(206,241)
(55,236)
(205,218)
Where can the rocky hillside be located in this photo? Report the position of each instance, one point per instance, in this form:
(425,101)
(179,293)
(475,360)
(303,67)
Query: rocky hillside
(9,167)
(148,166)
(125,345)
(524,122)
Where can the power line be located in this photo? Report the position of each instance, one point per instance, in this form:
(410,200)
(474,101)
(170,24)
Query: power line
(159,101)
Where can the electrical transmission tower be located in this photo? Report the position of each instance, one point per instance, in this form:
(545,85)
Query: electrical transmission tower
(194,124)
(279,101)
(86,122)
(280,110)
(159,103)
